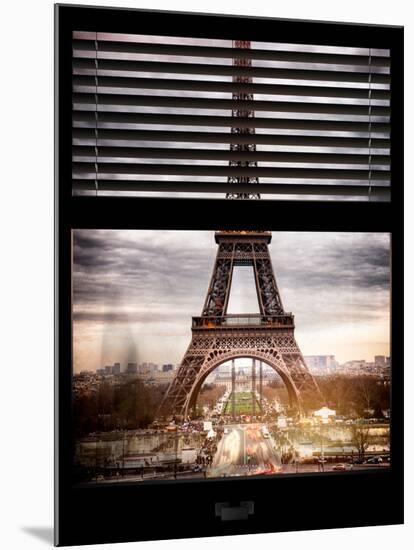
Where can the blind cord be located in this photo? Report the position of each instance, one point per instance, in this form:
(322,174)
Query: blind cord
(96,114)
(369,127)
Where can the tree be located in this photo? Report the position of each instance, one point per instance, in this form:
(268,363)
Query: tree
(131,405)
(209,395)
(352,394)
(360,439)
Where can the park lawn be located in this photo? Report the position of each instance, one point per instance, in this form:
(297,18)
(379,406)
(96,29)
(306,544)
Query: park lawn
(243,404)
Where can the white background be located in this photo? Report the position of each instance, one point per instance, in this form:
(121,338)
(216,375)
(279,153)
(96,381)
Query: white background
(26,272)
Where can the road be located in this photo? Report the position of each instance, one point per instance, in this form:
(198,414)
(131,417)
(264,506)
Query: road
(244,451)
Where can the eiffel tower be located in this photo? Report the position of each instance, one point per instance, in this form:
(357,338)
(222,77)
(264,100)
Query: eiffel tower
(218,337)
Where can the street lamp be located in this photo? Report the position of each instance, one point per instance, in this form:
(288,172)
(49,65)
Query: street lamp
(123,449)
(322,452)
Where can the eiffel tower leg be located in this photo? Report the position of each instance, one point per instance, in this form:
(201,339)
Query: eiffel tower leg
(254,386)
(176,399)
(261,386)
(267,291)
(233,389)
(219,289)
(304,382)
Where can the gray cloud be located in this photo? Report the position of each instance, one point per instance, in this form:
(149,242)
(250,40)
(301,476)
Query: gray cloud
(152,282)
(333,260)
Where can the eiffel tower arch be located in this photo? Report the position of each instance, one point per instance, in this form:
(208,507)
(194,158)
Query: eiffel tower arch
(218,337)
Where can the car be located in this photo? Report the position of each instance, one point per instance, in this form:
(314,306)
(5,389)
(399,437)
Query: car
(374,460)
(339,467)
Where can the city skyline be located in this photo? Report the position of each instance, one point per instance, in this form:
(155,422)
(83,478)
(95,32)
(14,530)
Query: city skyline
(135,293)
(242,363)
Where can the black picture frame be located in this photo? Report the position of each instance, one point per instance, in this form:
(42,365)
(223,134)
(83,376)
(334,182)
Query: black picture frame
(126,511)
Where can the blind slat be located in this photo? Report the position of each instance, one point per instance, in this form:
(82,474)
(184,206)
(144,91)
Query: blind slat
(137,154)
(220,188)
(85,170)
(223,121)
(125,65)
(89,84)
(117,102)
(200,137)
(230,53)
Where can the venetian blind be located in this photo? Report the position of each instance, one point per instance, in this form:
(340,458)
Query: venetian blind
(174,116)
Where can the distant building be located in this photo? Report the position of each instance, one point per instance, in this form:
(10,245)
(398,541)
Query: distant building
(379,367)
(108,369)
(224,368)
(116,368)
(158,377)
(243,381)
(145,368)
(132,368)
(142,368)
(355,367)
(321,364)
(167,367)
(100,371)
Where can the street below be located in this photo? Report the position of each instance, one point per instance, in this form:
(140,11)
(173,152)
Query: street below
(244,450)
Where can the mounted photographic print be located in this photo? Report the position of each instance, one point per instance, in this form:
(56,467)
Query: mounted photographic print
(229,274)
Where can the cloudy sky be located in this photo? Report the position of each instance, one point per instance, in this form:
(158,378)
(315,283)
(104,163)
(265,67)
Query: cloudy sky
(135,292)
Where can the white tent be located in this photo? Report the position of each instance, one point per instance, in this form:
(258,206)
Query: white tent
(324,413)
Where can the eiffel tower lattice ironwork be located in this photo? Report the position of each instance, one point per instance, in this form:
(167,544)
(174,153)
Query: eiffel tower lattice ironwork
(245,112)
(218,337)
